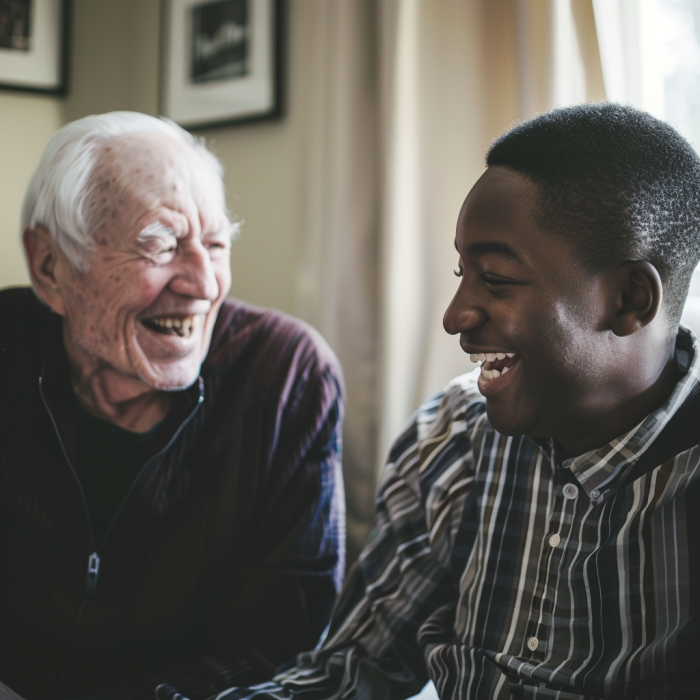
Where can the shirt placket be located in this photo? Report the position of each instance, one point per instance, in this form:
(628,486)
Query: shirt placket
(565,498)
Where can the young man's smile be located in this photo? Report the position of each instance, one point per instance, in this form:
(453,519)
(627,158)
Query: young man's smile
(494,367)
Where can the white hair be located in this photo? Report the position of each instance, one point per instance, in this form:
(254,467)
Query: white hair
(58,196)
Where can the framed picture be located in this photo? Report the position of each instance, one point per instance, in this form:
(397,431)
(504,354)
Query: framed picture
(33,45)
(221,61)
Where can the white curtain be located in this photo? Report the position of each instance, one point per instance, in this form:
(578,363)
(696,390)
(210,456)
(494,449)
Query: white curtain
(336,283)
(650,55)
(455,75)
(407,96)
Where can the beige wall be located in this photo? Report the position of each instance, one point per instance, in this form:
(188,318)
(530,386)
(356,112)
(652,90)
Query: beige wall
(26,124)
(114,65)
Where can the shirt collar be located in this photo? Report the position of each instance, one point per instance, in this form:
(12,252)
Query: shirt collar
(602,470)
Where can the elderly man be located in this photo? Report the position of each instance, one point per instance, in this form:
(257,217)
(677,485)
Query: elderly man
(170,492)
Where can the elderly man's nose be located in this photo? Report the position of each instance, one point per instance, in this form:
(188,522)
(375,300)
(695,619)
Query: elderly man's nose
(462,316)
(196,277)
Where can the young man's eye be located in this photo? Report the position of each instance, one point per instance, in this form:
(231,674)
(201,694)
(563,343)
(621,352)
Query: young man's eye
(496,281)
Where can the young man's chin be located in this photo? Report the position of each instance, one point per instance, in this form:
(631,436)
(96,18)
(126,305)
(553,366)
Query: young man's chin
(505,422)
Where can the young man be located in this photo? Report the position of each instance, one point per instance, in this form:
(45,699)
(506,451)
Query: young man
(539,520)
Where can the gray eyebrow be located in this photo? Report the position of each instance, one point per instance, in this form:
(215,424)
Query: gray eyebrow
(155,230)
(159,230)
(231,230)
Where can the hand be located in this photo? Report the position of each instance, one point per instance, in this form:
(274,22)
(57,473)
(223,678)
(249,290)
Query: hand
(7,694)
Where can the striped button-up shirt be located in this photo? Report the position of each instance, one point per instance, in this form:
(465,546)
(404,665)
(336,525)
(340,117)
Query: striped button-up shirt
(499,570)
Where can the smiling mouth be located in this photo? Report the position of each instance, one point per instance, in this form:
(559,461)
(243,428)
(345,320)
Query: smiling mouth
(494,364)
(182,326)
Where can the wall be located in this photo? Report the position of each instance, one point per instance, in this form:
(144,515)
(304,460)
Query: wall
(114,65)
(26,124)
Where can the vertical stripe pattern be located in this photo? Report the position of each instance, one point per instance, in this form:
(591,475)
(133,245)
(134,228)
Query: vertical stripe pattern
(501,571)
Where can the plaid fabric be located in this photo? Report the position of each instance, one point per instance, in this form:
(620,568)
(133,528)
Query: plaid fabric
(500,571)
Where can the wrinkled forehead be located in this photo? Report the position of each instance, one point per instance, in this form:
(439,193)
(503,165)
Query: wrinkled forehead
(154,168)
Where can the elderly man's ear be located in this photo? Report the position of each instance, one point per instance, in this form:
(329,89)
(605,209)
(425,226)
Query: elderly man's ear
(46,263)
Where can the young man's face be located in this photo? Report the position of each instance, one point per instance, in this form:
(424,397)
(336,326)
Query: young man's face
(524,294)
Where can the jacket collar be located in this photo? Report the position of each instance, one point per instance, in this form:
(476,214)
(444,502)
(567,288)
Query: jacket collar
(60,401)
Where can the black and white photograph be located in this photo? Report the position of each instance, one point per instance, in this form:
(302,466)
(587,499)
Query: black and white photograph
(15,27)
(220,44)
(219,61)
(33,45)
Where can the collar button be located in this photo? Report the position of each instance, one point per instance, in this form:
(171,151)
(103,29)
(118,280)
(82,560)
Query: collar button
(570,492)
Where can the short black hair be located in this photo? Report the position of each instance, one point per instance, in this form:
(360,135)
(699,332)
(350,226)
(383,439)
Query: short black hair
(621,183)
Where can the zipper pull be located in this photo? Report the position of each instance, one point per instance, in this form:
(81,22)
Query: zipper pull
(93,573)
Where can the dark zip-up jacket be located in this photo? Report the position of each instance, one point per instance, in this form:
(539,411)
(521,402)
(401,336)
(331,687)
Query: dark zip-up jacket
(226,554)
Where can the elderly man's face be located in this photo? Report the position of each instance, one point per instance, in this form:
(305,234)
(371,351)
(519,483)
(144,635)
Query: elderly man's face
(147,302)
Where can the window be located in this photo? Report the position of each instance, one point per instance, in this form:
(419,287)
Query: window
(650,55)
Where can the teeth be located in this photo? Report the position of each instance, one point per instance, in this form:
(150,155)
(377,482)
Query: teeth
(182,326)
(490,356)
(486,358)
(487,373)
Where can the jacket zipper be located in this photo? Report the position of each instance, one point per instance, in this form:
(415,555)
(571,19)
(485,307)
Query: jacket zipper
(94,559)
(93,569)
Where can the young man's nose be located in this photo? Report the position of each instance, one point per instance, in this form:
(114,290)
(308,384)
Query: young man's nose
(195,277)
(462,316)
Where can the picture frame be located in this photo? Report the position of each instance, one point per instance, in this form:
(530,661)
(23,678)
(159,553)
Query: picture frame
(221,61)
(34,45)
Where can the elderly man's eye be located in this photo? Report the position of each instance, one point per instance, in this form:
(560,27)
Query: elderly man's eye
(156,247)
(217,246)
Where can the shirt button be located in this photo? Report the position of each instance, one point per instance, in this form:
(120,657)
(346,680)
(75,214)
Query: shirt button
(532,643)
(570,491)
(554,541)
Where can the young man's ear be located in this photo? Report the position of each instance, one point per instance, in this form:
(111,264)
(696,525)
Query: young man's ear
(638,296)
(43,256)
